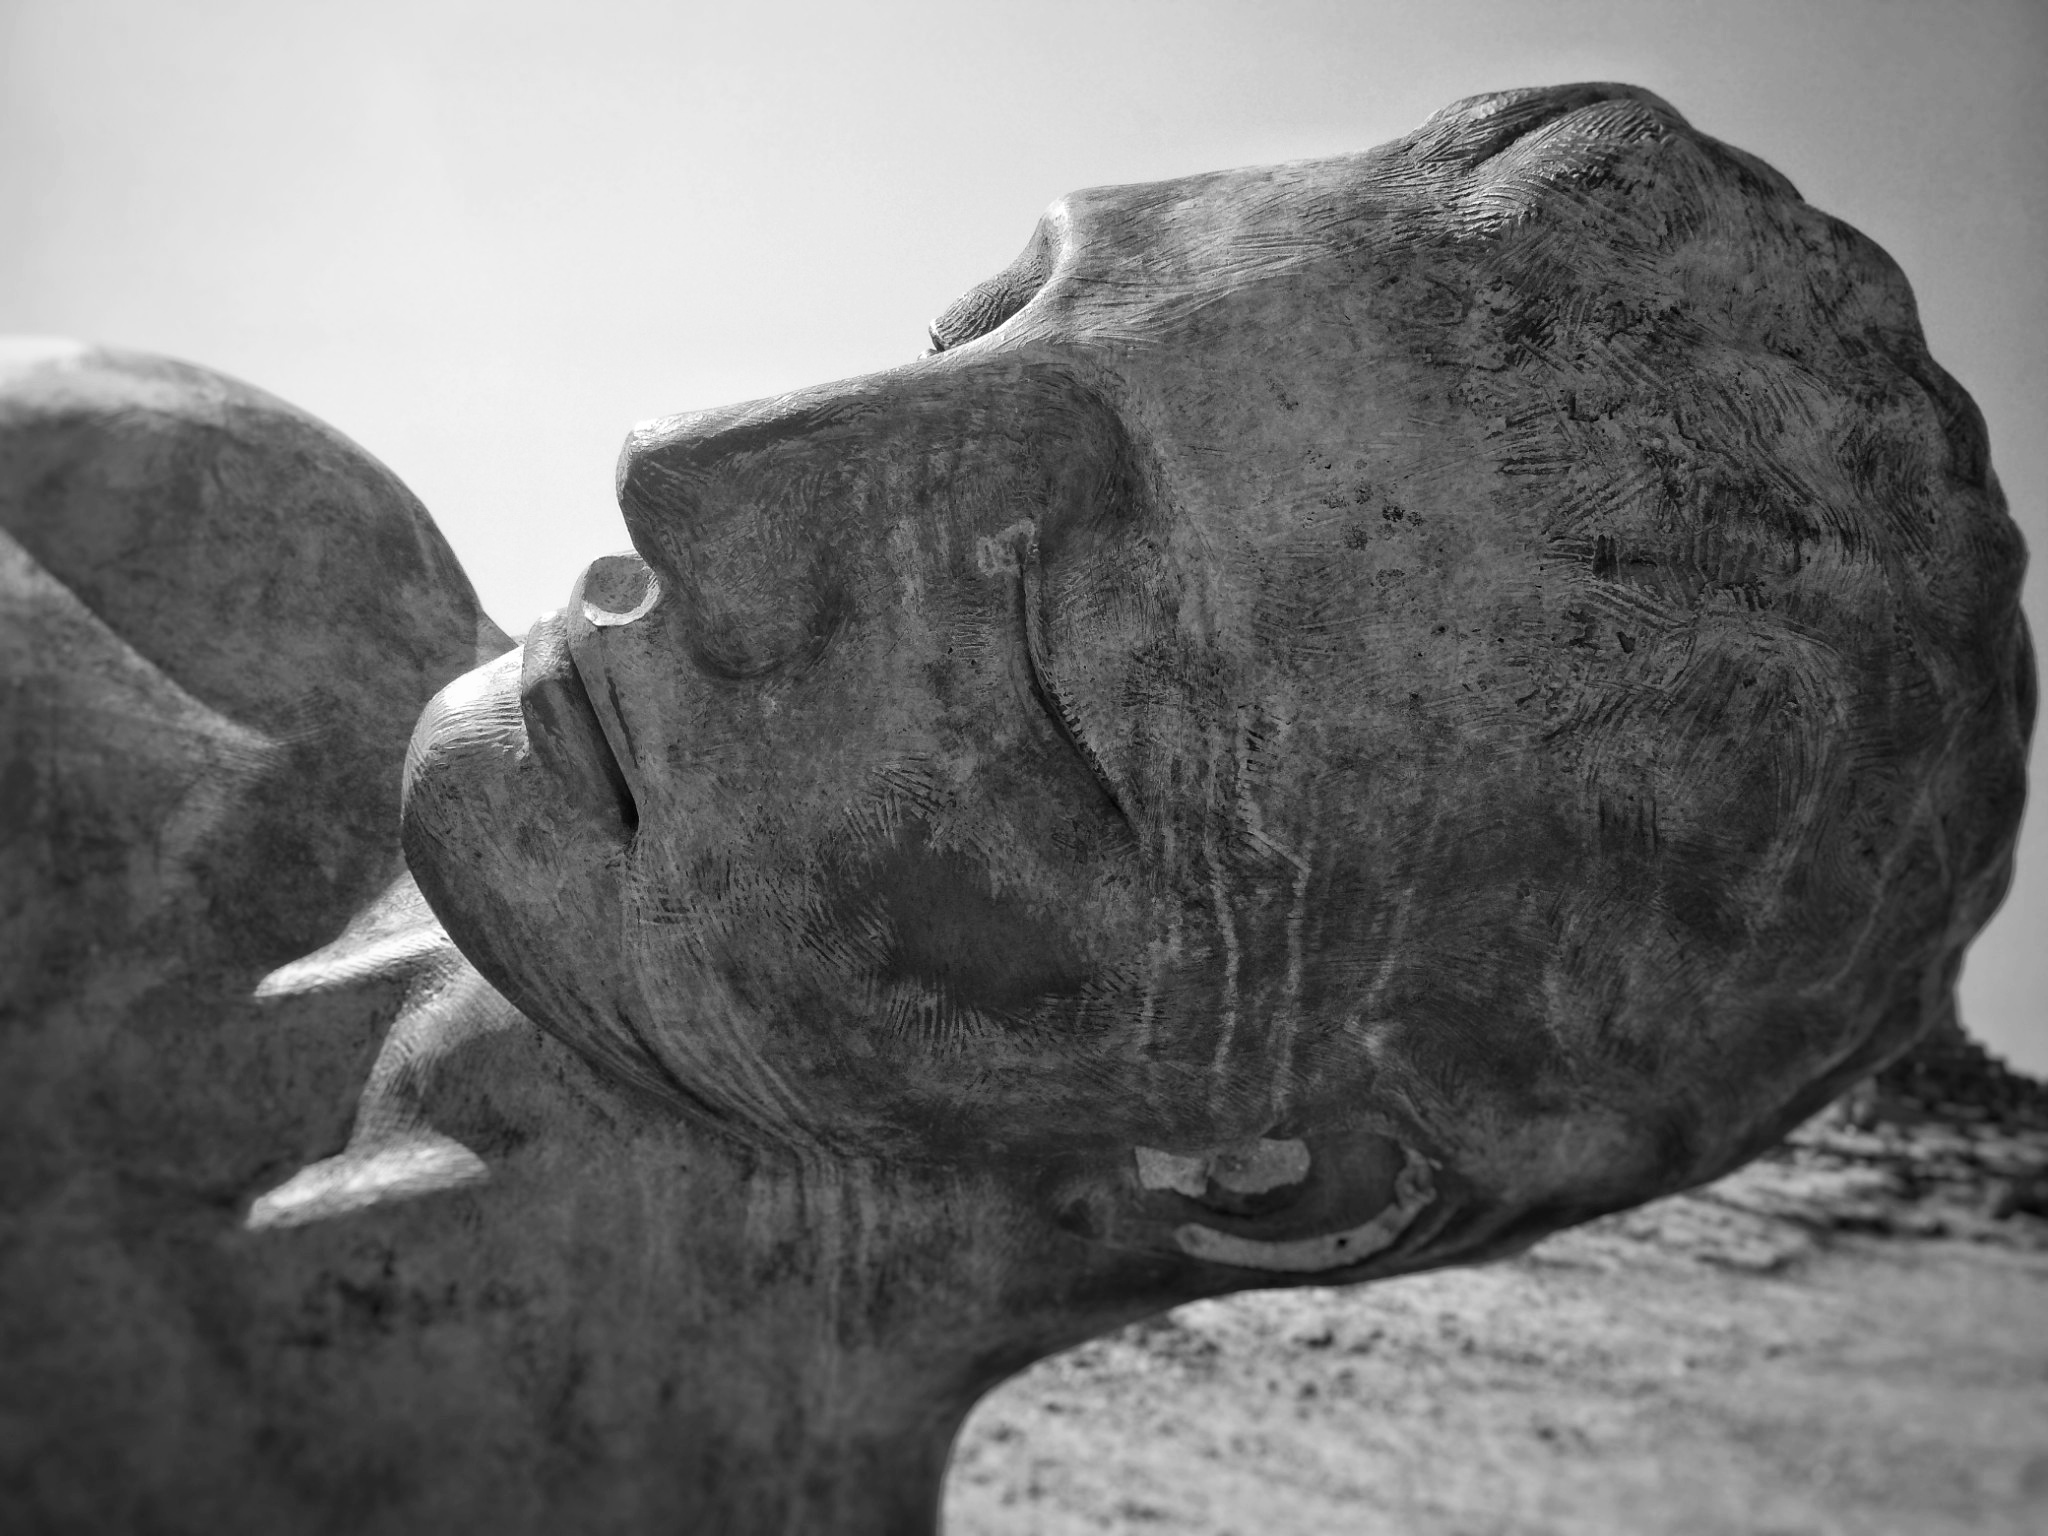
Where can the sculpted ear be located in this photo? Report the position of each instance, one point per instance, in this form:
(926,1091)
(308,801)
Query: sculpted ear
(445,1008)
(1318,1210)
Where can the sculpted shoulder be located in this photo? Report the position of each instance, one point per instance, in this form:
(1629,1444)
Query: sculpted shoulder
(221,619)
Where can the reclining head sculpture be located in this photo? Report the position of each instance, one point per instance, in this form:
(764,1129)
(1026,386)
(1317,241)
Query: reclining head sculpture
(1344,717)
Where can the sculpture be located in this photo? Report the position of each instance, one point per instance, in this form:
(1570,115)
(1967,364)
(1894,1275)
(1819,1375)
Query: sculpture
(1346,716)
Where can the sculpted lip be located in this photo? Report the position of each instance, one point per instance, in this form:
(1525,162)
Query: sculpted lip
(611,608)
(563,728)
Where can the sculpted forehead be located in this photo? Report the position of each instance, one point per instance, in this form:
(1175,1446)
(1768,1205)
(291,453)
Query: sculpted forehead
(1131,262)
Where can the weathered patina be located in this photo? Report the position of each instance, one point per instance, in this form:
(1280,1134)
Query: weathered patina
(1345,716)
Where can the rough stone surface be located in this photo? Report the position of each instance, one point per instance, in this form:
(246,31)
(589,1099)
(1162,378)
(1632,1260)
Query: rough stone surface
(1841,1339)
(1347,716)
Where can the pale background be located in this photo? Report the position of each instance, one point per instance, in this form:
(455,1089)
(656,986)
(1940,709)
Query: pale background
(484,239)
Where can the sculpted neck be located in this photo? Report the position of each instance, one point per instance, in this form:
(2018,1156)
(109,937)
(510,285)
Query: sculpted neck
(669,1338)
(604,1319)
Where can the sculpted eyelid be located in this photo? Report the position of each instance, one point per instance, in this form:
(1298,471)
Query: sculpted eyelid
(988,304)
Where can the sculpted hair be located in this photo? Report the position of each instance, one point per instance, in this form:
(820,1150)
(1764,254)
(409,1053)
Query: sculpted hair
(1760,606)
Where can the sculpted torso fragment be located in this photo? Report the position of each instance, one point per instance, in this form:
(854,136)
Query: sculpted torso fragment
(1346,716)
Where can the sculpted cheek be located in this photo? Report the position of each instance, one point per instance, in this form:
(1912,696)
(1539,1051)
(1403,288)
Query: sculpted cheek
(947,942)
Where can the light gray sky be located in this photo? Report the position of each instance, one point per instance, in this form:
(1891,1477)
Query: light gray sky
(484,239)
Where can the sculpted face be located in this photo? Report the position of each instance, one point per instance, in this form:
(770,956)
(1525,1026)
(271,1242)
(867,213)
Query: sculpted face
(1459,653)
(1347,715)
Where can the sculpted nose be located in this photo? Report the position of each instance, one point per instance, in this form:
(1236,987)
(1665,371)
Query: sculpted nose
(685,481)
(747,516)
(616,590)
(664,474)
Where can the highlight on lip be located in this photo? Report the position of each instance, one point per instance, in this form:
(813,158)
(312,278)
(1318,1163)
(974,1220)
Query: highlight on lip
(562,722)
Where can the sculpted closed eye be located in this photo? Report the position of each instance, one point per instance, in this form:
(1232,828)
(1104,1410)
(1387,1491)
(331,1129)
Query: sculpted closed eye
(987,305)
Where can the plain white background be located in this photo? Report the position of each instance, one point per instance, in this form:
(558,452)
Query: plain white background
(484,239)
